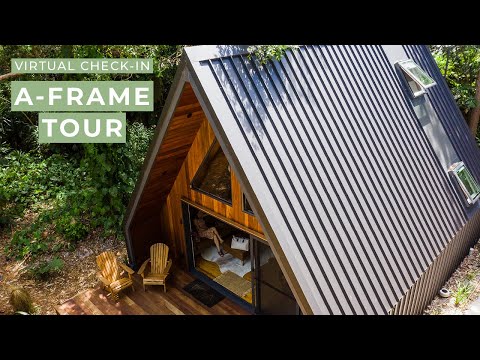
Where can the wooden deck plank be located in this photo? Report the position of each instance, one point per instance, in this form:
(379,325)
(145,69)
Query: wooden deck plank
(165,301)
(87,304)
(80,300)
(108,306)
(178,300)
(174,309)
(155,304)
(134,306)
(155,301)
(70,307)
(194,306)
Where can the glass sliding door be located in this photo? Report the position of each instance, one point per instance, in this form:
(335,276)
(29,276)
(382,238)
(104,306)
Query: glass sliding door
(221,261)
(251,275)
(273,294)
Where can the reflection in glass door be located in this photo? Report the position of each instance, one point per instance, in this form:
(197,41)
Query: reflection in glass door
(255,278)
(272,292)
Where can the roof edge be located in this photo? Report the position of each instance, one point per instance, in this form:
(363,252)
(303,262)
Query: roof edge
(207,52)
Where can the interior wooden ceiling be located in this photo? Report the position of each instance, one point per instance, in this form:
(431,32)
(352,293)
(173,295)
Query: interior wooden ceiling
(176,143)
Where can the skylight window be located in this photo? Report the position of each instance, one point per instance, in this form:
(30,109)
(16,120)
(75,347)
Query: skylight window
(417,79)
(467,182)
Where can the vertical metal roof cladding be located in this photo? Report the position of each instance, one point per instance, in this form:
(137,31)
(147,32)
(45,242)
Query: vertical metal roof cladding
(447,110)
(335,160)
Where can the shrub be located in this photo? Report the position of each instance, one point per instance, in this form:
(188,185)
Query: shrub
(28,241)
(26,179)
(264,53)
(74,188)
(46,269)
(21,301)
(5,215)
(71,228)
(81,194)
(465,288)
(472,275)
(112,172)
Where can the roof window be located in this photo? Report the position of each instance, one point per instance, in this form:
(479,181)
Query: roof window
(418,80)
(467,182)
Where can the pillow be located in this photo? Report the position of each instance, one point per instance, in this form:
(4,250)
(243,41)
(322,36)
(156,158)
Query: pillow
(240,243)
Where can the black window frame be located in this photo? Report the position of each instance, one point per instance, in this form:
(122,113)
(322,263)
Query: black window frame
(244,202)
(206,159)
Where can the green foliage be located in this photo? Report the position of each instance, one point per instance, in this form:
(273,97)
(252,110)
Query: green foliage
(27,241)
(18,129)
(71,228)
(27,179)
(5,215)
(471,275)
(113,170)
(264,53)
(465,288)
(46,269)
(74,188)
(460,65)
(82,194)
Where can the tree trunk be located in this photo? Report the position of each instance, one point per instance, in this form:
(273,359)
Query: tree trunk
(475,113)
(8,76)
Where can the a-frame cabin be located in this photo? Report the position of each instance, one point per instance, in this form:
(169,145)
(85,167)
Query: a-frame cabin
(349,168)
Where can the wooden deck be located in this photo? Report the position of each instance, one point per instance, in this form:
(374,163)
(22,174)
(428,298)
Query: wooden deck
(153,302)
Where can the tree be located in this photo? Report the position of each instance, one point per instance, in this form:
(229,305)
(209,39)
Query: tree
(8,76)
(18,129)
(264,53)
(460,65)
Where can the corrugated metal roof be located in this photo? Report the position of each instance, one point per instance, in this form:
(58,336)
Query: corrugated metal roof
(447,111)
(335,161)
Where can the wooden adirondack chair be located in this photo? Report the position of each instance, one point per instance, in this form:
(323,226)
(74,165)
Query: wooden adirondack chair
(110,274)
(159,266)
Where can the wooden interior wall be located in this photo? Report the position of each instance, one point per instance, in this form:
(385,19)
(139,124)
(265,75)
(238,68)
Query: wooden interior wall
(181,132)
(182,129)
(171,213)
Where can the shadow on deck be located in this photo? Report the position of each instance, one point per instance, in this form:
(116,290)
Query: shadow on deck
(153,302)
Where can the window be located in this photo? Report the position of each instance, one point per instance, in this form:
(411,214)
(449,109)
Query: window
(417,79)
(466,181)
(246,206)
(213,176)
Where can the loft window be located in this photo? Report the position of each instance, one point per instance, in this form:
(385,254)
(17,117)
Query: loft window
(213,176)
(246,206)
(417,79)
(467,182)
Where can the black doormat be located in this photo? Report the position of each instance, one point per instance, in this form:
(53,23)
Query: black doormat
(203,293)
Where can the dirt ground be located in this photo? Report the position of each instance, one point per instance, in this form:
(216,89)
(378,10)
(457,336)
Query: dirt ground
(468,269)
(77,275)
